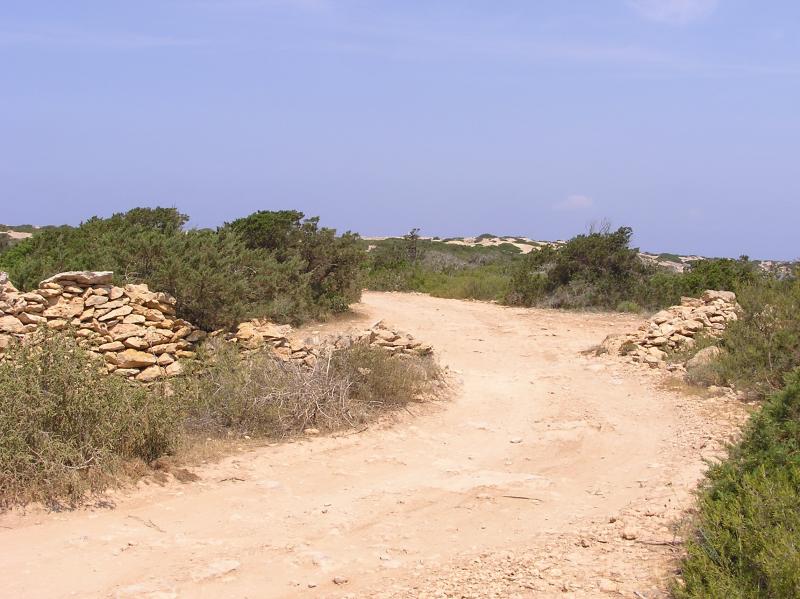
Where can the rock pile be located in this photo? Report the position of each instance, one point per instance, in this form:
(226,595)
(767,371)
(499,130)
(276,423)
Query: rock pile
(676,328)
(256,334)
(134,330)
(384,337)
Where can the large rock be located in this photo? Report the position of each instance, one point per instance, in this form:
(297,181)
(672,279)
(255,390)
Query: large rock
(133,358)
(150,374)
(256,333)
(11,324)
(26,318)
(729,297)
(65,308)
(95,300)
(81,277)
(118,313)
(704,357)
(114,346)
(261,328)
(122,331)
(5,342)
(5,284)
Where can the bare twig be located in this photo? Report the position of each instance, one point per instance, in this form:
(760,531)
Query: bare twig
(149,523)
(523,497)
(675,543)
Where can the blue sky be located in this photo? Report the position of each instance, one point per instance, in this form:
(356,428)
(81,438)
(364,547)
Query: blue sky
(679,118)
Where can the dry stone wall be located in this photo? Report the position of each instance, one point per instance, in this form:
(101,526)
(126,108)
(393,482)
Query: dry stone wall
(134,330)
(256,334)
(137,335)
(676,328)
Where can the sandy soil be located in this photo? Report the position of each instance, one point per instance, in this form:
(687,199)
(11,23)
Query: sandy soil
(17,234)
(522,484)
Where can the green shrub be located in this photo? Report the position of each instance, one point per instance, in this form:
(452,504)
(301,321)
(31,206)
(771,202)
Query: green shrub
(628,306)
(509,248)
(598,269)
(764,344)
(451,271)
(219,282)
(269,264)
(66,427)
(527,287)
(747,541)
(331,264)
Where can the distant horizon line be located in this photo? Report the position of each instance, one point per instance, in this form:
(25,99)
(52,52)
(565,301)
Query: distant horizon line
(11,228)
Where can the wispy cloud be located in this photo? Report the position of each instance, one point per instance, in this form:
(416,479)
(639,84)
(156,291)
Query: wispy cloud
(674,12)
(574,202)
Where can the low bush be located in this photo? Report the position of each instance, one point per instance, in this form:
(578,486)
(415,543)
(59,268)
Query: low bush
(486,283)
(628,306)
(442,270)
(259,395)
(598,269)
(763,345)
(601,270)
(66,427)
(747,541)
(279,265)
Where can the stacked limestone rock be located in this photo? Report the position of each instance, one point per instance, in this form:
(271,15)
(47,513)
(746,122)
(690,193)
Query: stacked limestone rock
(135,331)
(675,328)
(132,328)
(384,337)
(256,334)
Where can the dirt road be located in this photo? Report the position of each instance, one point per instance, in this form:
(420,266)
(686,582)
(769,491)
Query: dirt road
(523,484)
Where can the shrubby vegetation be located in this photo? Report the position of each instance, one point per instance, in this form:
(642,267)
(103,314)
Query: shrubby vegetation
(67,428)
(763,346)
(285,266)
(599,269)
(275,264)
(258,395)
(747,541)
(443,270)
(747,533)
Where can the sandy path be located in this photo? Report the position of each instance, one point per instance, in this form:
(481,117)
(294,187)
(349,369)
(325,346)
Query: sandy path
(506,490)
